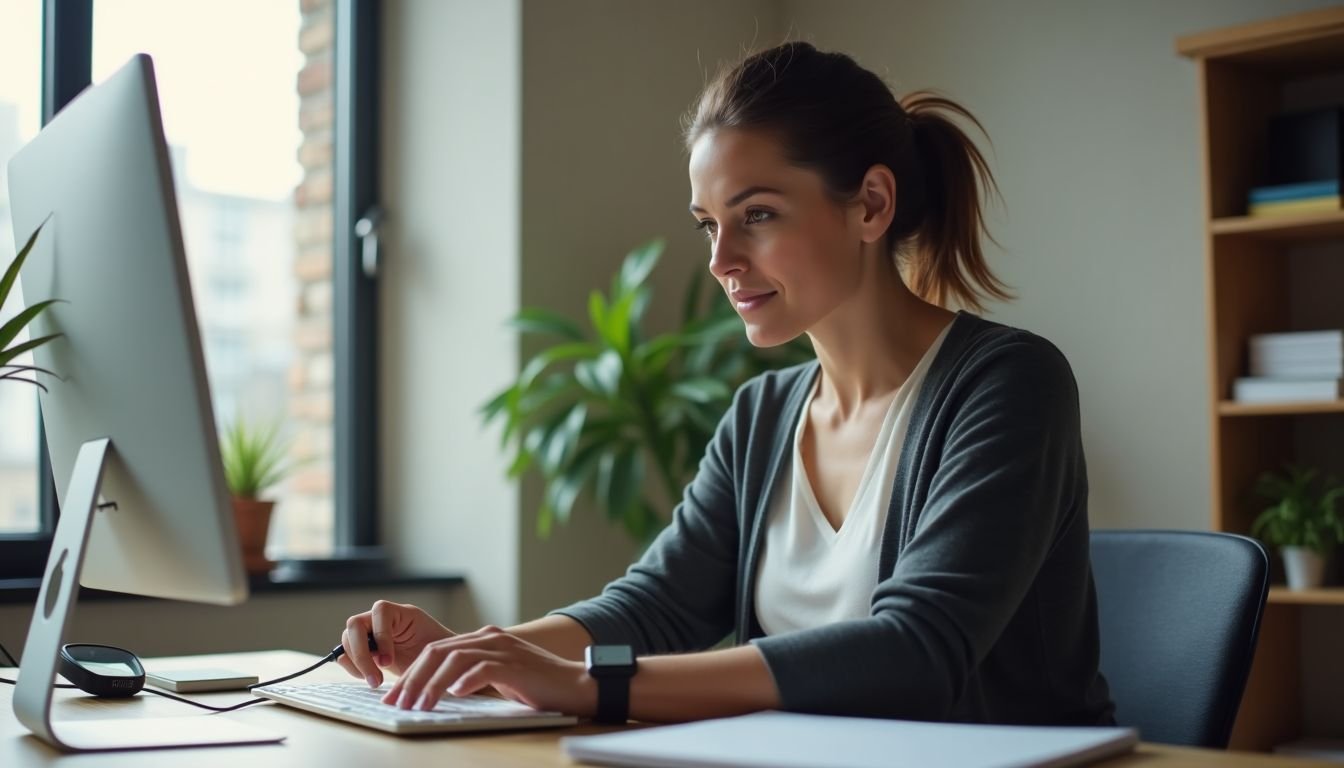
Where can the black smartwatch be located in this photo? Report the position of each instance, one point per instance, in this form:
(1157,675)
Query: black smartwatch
(611,666)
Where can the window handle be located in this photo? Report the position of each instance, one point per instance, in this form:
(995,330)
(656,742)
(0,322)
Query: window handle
(366,229)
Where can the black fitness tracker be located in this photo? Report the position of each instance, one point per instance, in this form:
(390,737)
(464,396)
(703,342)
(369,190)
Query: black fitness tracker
(102,670)
(611,666)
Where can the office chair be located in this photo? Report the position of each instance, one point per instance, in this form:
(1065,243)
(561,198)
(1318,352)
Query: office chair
(1179,614)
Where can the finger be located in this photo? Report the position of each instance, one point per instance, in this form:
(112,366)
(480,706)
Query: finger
(480,676)
(383,619)
(356,644)
(344,660)
(448,677)
(415,672)
(435,662)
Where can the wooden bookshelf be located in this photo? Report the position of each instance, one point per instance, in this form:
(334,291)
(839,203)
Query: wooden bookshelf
(1308,226)
(1265,275)
(1230,408)
(1324,596)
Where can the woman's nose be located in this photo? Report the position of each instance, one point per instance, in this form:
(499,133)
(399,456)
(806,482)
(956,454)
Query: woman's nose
(725,257)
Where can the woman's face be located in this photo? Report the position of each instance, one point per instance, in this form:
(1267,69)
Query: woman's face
(785,253)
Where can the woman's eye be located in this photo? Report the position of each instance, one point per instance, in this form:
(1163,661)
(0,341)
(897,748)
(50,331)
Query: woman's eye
(707,227)
(757,217)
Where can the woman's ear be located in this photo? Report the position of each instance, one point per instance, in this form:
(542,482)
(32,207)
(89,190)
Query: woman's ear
(877,200)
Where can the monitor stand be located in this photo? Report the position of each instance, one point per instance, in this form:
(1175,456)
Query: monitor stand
(55,604)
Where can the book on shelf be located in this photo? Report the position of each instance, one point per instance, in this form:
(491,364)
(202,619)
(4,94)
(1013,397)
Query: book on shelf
(1305,190)
(1323,204)
(1329,339)
(1306,369)
(1258,389)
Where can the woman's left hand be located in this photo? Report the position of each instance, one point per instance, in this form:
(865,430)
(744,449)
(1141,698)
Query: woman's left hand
(465,664)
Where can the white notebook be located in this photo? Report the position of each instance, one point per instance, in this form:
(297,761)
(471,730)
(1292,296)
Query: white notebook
(786,740)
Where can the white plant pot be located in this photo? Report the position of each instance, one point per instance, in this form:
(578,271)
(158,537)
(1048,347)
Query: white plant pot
(1305,567)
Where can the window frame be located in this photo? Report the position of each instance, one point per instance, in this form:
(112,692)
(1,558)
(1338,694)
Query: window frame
(67,55)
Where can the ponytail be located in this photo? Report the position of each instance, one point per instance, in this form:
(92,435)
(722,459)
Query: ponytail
(946,260)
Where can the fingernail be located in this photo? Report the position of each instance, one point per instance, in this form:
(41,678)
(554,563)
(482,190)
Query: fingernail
(371,680)
(426,703)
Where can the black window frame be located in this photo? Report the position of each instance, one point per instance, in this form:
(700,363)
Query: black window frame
(67,56)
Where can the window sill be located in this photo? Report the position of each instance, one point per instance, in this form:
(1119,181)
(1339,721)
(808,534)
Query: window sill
(24,591)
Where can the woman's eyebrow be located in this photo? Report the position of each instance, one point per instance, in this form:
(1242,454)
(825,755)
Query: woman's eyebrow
(740,196)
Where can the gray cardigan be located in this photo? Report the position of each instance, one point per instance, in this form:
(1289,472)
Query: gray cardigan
(985,609)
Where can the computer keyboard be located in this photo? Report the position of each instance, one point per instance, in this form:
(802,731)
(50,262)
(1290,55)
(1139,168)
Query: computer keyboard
(357,703)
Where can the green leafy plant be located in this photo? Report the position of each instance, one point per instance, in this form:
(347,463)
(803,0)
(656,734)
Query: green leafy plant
(1301,515)
(254,458)
(600,409)
(10,330)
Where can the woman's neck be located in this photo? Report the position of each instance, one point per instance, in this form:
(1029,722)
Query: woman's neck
(871,344)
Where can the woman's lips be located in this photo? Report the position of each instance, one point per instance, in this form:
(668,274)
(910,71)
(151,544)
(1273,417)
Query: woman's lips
(748,303)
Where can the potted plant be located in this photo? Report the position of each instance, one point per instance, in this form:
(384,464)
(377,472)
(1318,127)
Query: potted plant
(10,330)
(603,408)
(1302,523)
(254,460)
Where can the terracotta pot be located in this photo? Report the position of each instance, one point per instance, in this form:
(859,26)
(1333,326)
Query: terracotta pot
(254,523)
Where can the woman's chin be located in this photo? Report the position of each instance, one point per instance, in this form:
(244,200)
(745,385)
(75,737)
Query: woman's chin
(765,337)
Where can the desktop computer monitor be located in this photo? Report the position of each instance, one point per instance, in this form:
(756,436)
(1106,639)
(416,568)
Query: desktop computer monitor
(131,407)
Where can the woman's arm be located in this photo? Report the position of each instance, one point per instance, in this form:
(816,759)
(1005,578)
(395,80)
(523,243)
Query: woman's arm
(560,635)
(697,686)
(664,688)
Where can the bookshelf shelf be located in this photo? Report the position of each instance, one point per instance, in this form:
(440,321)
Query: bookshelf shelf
(1230,408)
(1325,596)
(1308,226)
(1265,275)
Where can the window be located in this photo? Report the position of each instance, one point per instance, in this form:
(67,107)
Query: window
(272,149)
(20,118)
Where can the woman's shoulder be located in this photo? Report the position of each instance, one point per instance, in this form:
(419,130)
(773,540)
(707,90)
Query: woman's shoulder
(1013,361)
(773,389)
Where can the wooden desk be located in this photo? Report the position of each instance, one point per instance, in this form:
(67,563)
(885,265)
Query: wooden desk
(317,741)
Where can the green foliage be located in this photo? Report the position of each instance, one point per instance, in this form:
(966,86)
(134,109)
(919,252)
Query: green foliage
(605,407)
(254,458)
(10,330)
(1301,516)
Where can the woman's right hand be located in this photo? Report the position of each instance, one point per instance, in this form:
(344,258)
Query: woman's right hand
(400,632)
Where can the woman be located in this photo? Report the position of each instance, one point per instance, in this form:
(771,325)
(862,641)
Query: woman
(898,529)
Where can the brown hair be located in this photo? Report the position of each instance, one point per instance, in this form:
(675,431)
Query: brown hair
(839,119)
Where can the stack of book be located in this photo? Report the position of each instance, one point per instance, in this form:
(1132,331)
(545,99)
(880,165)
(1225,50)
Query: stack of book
(1302,165)
(1290,199)
(1293,367)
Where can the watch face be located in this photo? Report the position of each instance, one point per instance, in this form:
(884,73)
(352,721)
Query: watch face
(613,656)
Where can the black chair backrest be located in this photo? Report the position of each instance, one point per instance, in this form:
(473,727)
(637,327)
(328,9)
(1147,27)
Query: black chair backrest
(1179,614)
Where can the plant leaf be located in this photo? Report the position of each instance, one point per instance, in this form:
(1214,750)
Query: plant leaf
(565,488)
(702,390)
(638,264)
(543,321)
(12,272)
(13,352)
(10,330)
(597,311)
(547,357)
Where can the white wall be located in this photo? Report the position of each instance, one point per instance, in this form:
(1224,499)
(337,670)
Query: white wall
(1094,122)
(451,183)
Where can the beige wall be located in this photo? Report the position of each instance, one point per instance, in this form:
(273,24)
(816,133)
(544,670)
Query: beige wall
(1093,118)
(451,183)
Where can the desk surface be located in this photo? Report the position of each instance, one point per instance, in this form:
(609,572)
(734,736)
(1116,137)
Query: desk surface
(314,740)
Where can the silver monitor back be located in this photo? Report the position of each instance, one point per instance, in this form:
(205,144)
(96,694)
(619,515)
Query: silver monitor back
(130,359)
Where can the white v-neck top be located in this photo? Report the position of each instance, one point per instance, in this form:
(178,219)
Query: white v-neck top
(810,573)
